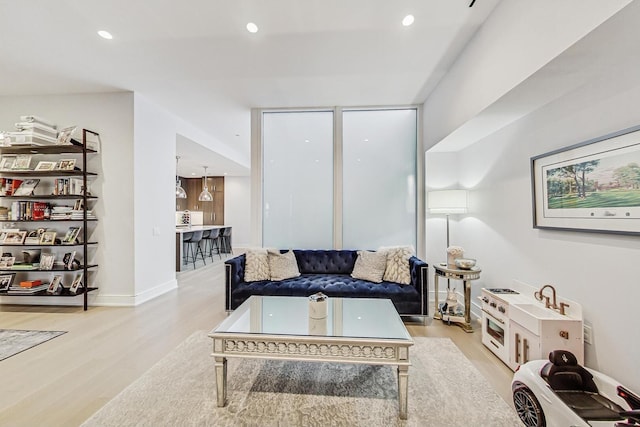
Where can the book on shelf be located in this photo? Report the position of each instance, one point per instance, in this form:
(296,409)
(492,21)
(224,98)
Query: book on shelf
(9,185)
(26,187)
(37,128)
(19,290)
(30,283)
(28,211)
(23,266)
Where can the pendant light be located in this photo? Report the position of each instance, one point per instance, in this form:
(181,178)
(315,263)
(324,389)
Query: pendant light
(180,193)
(205,196)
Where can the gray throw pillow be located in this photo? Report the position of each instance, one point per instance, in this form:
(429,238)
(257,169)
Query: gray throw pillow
(283,266)
(256,265)
(370,266)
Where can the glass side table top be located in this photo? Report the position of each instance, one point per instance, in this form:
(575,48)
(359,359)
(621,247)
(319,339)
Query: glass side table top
(346,317)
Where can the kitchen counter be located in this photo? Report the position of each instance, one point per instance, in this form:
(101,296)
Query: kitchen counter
(190,229)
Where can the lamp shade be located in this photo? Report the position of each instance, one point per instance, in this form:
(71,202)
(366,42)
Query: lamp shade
(447,201)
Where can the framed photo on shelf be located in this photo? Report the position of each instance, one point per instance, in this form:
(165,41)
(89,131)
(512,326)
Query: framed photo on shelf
(592,186)
(15,237)
(45,166)
(77,283)
(47,261)
(48,238)
(71,236)
(55,286)
(66,164)
(27,187)
(6,280)
(64,136)
(7,261)
(22,162)
(67,261)
(6,162)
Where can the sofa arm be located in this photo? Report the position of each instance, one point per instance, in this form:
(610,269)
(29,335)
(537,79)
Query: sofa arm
(234,275)
(420,279)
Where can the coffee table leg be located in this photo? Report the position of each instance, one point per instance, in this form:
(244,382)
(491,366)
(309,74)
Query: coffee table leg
(221,380)
(403,389)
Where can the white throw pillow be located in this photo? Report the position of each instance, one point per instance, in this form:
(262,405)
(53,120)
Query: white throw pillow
(397,264)
(283,266)
(370,266)
(256,265)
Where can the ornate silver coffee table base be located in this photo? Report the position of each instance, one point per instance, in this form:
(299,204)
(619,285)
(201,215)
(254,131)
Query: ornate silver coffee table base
(353,330)
(312,349)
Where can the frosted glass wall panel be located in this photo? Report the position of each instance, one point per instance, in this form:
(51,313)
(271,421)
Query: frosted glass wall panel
(379,178)
(298,180)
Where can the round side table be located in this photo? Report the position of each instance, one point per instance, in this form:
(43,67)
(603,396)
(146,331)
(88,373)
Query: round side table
(453,273)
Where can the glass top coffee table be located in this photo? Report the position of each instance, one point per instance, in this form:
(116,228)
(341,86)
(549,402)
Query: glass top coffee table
(353,330)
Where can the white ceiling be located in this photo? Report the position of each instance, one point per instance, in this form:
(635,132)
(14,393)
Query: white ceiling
(195,58)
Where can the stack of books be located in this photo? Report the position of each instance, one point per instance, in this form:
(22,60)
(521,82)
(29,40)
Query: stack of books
(28,287)
(33,130)
(80,214)
(61,213)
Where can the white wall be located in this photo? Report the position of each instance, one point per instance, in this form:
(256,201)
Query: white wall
(111,115)
(154,203)
(237,209)
(596,270)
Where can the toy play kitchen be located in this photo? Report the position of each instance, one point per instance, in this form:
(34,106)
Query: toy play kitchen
(524,323)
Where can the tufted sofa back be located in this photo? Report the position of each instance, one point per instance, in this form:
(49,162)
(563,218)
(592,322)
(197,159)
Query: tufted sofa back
(325,261)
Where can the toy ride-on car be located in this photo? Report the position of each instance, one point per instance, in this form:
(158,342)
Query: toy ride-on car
(559,392)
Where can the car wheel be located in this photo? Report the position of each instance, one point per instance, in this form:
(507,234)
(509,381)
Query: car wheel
(528,407)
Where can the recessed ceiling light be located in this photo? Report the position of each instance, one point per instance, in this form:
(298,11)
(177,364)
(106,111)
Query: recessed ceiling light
(105,34)
(226,173)
(252,28)
(193,174)
(408,20)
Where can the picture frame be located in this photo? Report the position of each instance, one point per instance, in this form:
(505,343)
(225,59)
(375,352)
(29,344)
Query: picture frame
(6,162)
(48,238)
(22,162)
(76,284)
(14,237)
(68,259)
(592,186)
(55,286)
(45,166)
(47,261)
(7,261)
(26,187)
(71,236)
(6,280)
(64,136)
(66,164)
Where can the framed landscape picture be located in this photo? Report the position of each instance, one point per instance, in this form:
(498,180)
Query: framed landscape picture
(593,186)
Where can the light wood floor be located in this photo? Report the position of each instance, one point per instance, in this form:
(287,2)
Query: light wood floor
(64,381)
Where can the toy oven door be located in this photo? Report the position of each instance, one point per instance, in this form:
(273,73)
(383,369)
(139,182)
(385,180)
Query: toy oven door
(495,335)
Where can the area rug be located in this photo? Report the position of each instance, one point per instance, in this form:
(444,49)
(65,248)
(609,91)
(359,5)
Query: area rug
(14,341)
(445,389)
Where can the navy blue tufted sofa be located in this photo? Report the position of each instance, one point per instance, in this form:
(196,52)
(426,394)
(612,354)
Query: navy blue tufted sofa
(328,271)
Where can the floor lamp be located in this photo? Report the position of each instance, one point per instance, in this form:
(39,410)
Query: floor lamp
(447,202)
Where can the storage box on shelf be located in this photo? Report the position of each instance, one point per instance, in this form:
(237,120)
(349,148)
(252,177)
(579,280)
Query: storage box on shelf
(46,220)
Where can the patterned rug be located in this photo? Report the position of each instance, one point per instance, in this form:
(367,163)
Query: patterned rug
(13,341)
(445,389)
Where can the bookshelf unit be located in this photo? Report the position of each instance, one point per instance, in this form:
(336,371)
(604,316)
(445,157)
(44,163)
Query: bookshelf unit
(57,203)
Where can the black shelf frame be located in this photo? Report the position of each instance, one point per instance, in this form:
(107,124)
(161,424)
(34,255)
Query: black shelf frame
(74,148)
(37,270)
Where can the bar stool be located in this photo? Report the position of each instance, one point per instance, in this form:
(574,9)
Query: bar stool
(225,238)
(194,247)
(212,239)
(186,238)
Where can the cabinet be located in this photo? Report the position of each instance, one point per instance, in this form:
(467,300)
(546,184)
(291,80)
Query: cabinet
(212,212)
(542,337)
(46,214)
